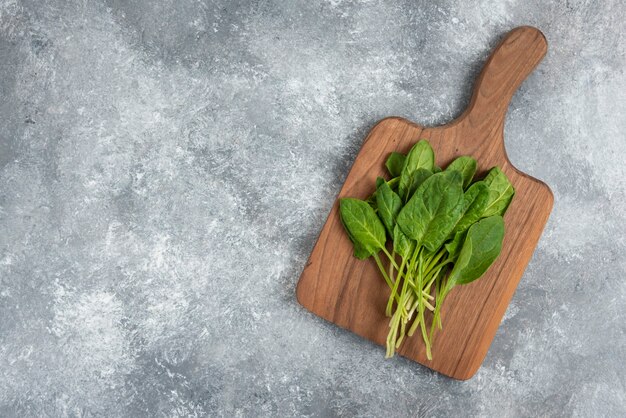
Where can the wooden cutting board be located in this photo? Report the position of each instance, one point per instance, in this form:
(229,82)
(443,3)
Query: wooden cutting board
(350,292)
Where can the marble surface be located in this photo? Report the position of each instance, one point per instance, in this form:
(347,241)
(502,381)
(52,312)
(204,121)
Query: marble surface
(165,168)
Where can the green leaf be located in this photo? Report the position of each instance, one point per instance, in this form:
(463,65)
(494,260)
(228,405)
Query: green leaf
(409,182)
(420,156)
(437,169)
(454,247)
(501,192)
(466,166)
(394,163)
(371,200)
(393,183)
(364,228)
(379,182)
(402,244)
(434,210)
(389,205)
(360,252)
(475,200)
(480,249)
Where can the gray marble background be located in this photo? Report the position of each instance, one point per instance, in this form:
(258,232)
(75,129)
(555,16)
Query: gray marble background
(165,168)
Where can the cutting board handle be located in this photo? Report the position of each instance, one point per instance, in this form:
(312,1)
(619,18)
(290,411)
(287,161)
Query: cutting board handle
(510,63)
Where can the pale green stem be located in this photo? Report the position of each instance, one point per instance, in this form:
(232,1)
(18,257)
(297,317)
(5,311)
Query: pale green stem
(394,290)
(384,273)
(437,314)
(390,257)
(393,257)
(421,313)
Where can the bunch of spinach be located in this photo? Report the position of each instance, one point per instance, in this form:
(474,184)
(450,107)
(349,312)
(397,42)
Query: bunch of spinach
(445,230)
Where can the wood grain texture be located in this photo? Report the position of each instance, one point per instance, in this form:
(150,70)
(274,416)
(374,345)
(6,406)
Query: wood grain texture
(349,292)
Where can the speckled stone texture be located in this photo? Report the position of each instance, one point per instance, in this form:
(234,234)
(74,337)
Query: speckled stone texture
(165,168)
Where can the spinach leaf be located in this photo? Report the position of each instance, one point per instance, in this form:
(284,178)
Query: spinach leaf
(360,251)
(433,211)
(394,163)
(480,249)
(466,166)
(371,200)
(402,244)
(437,169)
(501,192)
(364,228)
(389,205)
(475,201)
(420,156)
(411,181)
(393,183)
(454,246)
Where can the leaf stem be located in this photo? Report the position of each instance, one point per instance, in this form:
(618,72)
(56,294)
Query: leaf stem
(437,314)
(394,290)
(421,310)
(384,273)
(391,258)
